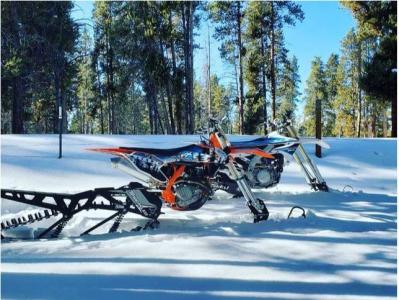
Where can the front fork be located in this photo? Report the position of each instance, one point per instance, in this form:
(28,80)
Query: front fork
(256,206)
(312,174)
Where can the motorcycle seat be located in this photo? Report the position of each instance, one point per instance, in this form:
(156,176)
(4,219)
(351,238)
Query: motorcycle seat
(166,152)
(259,142)
(262,142)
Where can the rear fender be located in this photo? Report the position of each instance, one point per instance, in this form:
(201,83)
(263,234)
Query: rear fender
(114,151)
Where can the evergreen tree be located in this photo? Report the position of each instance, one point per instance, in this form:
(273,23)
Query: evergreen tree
(348,91)
(267,55)
(332,83)
(315,90)
(256,71)
(83,121)
(378,19)
(288,90)
(38,39)
(228,17)
(280,12)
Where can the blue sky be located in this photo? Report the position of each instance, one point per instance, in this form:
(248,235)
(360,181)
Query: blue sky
(320,34)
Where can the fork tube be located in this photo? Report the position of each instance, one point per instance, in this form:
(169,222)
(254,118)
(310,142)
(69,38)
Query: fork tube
(244,187)
(310,163)
(305,158)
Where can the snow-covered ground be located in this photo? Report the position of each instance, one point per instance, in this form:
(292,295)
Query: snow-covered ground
(345,249)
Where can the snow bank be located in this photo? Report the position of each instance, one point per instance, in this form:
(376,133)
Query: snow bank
(344,249)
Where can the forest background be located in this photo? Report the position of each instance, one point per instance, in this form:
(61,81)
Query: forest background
(129,69)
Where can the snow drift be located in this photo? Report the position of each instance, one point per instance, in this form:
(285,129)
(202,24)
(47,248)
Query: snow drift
(344,249)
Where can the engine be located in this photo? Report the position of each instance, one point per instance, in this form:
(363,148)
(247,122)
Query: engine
(265,172)
(190,195)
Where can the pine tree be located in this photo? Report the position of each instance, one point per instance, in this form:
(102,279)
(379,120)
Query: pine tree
(281,12)
(256,71)
(38,39)
(104,38)
(378,19)
(267,55)
(346,102)
(315,90)
(332,83)
(288,90)
(83,120)
(228,17)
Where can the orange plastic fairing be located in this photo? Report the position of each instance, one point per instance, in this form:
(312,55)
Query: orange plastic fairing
(167,193)
(215,141)
(254,151)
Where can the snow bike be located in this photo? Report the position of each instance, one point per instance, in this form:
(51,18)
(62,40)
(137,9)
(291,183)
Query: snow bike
(180,177)
(187,176)
(264,172)
(184,178)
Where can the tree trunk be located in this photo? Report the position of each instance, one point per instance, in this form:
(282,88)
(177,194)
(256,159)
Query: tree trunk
(185,50)
(318,125)
(272,63)
(177,92)
(165,114)
(187,11)
(359,91)
(158,119)
(264,90)
(64,127)
(394,115)
(17,102)
(110,104)
(191,69)
(241,81)
(17,107)
(384,123)
(168,111)
(100,99)
(151,98)
(359,114)
(373,124)
(150,103)
(108,95)
(209,77)
(170,108)
(365,120)
(112,96)
(58,104)
(237,86)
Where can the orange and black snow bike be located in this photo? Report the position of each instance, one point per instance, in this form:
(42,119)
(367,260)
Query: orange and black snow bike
(183,178)
(186,177)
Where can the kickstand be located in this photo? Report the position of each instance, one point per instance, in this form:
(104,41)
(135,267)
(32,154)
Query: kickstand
(297,207)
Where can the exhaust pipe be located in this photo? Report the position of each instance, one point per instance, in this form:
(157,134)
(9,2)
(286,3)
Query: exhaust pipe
(126,165)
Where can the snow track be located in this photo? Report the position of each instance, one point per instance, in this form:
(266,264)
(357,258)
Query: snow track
(344,249)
